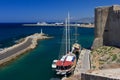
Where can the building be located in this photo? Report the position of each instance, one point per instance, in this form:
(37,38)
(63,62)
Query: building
(107,26)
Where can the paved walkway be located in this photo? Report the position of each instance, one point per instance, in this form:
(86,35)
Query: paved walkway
(16,49)
(83,63)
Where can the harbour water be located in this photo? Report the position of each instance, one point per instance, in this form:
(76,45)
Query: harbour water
(36,64)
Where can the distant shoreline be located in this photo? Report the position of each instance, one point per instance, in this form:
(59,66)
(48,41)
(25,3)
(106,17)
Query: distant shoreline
(29,43)
(73,25)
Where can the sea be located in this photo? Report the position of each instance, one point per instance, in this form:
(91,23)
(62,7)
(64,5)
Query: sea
(36,64)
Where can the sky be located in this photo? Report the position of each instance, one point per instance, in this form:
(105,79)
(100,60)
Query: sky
(48,10)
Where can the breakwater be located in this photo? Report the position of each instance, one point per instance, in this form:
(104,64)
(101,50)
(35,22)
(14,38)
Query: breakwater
(27,44)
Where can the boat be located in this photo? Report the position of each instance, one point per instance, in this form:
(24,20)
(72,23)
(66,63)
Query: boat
(67,62)
(76,48)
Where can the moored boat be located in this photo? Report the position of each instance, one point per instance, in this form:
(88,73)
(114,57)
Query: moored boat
(76,48)
(66,64)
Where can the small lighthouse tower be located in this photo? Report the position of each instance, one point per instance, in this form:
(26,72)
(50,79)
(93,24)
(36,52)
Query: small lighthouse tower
(41,32)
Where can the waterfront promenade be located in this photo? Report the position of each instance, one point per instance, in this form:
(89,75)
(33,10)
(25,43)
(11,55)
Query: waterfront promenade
(27,44)
(83,63)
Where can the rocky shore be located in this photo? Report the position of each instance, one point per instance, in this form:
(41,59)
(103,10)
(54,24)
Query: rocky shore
(27,44)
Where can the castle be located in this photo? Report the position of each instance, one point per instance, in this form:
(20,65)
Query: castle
(107,26)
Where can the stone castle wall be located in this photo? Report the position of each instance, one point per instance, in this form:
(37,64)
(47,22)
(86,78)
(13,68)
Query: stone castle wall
(95,77)
(107,26)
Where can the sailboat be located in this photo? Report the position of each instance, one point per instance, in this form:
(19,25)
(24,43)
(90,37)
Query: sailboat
(66,64)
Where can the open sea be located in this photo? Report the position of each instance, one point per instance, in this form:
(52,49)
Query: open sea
(36,64)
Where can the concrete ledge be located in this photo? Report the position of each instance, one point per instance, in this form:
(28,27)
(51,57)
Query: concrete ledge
(95,77)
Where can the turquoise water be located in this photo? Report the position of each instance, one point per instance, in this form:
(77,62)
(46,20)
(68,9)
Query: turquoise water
(36,64)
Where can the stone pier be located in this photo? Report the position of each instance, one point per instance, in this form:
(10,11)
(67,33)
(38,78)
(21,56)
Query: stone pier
(28,43)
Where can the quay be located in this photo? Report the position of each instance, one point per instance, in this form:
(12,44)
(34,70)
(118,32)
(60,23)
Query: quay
(27,44)
(83,63)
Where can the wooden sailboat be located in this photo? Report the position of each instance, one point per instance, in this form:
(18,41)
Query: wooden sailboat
(67,62)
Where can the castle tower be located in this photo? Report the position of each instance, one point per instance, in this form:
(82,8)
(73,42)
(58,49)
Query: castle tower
(107,26)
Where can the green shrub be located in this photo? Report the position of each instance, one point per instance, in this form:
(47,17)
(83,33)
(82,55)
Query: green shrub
(94,67)
(114,57)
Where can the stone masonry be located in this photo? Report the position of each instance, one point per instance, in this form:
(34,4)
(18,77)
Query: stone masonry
(107,26)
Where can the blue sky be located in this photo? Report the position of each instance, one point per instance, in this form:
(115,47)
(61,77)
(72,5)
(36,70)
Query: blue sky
(48,10)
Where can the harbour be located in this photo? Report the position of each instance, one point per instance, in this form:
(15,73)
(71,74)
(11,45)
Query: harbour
(39,41)
(32,62)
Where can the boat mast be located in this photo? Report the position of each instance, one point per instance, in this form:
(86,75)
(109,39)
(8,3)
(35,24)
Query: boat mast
(68,32)
(66,26)
(76,34)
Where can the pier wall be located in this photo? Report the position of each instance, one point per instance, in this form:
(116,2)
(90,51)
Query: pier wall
(107,26)
(12,52)
(95,77)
